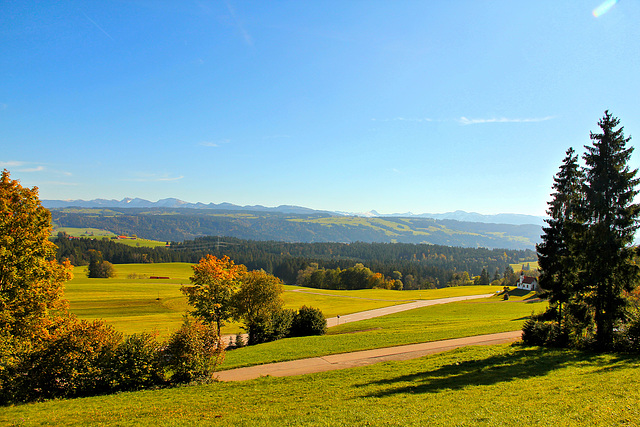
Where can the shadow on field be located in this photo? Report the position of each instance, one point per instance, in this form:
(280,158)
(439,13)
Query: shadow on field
(520,363)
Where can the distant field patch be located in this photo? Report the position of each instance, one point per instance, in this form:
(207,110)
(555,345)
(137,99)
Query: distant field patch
(525,266)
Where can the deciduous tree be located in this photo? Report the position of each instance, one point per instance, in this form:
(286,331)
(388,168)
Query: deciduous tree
(258,298)
(214,282)
(31,281)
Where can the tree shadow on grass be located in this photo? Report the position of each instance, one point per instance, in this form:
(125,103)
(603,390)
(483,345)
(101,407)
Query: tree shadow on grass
(519,363)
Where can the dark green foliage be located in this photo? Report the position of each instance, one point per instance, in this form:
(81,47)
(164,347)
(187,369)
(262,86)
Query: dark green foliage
(628,338)
(136,364)
(586,255)
(193,352)
(543,333)
(559,252)
(98,268)
(612,219)
(428,265)
(308,321)
(271,326)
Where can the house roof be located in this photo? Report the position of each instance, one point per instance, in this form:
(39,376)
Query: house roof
(528,280)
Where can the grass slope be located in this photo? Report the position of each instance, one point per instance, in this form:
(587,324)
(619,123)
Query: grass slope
(426,324)
(480,386)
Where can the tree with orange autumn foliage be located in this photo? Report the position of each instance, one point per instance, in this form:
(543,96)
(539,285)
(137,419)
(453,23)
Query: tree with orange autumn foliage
(214,282)
(31,281)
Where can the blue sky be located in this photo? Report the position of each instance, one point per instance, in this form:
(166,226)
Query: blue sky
(421,106)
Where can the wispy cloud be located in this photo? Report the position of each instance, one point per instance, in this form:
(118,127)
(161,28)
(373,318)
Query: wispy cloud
(152,177)
(35,169)
(11,164)
(214,143)
(466,121)
(67,184)
(98,26)
(245,34)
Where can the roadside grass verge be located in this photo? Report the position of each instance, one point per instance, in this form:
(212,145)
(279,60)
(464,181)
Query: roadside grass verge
(438,322)
(487,386)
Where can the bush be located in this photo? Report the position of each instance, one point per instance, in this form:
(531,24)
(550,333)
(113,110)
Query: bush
(136,364)
(193,352)
(270,327)
(72,364)
(308,321)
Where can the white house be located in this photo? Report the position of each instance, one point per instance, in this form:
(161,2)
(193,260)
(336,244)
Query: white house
(527,283)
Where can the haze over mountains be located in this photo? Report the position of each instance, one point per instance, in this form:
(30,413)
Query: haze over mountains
(502,218)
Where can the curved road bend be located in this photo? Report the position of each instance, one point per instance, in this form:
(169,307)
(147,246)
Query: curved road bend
(362,358)
(370,314)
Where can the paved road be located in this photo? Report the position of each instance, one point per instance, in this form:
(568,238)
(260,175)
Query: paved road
(362,358)
(369,314)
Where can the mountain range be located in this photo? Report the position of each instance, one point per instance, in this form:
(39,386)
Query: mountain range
(173,203)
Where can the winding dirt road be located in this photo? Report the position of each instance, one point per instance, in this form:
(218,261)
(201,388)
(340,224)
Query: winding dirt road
(368,357)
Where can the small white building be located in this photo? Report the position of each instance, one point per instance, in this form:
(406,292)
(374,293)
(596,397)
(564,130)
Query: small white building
(527,283)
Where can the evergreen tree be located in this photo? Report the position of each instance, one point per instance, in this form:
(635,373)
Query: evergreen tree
(611,219)
(557,253)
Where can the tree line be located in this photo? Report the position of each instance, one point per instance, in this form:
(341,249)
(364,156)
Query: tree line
(425,266)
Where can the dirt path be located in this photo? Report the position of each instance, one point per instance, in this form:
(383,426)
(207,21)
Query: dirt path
(362,358)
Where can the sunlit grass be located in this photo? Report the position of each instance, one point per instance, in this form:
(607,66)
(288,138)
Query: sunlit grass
(438,322)
(485,386)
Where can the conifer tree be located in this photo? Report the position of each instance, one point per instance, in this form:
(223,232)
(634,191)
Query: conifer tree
(558,252)
(611,220)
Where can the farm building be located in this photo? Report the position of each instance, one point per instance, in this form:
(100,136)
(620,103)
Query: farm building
(527,283)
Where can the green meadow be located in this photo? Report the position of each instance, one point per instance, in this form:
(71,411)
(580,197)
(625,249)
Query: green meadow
(475,386)
(433,323)
(132,302)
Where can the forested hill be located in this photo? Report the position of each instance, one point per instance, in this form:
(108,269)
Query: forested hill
(427,265)
(183,224)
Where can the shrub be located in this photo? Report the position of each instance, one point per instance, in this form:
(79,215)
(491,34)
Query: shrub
(270,327)
(308,321)
(72,364)
(136,364)
(193,352)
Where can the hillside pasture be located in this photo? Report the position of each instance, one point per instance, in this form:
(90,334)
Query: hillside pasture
(132,302)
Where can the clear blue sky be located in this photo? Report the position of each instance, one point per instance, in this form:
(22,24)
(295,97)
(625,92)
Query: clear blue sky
(422,106)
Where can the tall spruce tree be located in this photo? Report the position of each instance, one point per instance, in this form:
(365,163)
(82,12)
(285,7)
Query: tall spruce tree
(611,220)
(558,251)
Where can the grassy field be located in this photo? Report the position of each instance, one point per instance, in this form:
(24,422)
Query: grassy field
(533,266)
(475,386)
(425,324)
(99,234)
(132,302)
